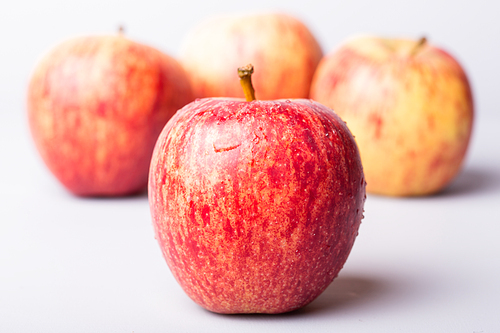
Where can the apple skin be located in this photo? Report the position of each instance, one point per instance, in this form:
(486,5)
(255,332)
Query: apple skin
(272,42)
(255,205)
(409,105)
(96,105)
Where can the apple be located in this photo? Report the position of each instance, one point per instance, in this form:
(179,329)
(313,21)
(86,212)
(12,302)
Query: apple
(96,105)
(255,204)
(273,42)
(409,105)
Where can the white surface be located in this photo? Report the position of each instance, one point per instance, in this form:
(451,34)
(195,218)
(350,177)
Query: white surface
(92,265)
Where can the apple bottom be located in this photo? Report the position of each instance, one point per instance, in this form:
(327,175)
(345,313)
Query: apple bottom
(278,280)
(93,161)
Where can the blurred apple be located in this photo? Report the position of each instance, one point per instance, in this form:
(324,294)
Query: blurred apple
(409,105)
(274,43)
(255,204)
(96,106)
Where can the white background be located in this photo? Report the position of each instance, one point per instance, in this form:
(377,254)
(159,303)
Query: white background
(92,265)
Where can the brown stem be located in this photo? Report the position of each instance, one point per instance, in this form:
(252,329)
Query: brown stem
(121,30)
(245,74)
(418,46)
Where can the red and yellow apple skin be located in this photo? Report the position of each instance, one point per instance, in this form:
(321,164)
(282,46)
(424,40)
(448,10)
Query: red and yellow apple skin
(274,43)
(255,205)
(409,106)
(96,106)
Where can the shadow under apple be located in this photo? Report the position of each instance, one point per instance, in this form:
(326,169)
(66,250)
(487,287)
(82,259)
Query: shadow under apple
(346,291)
(473,180)
(349,291)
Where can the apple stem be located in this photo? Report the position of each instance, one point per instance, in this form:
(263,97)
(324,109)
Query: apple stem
(245,74)
(121,30)
(418,46)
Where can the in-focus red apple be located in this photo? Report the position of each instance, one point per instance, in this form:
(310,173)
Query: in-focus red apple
(274,43)
(96,106)
(255,204)
(409,105)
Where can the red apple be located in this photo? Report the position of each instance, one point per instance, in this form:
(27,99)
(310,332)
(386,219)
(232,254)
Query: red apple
(96,106)
(255,204)
(274,43)
(409,105)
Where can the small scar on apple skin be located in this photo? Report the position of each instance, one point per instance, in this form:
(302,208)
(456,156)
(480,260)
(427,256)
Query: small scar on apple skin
(220,150)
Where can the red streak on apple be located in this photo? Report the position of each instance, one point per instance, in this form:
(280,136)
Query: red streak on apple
(255,205)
